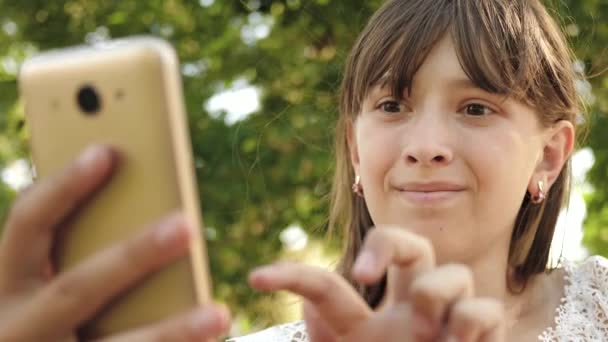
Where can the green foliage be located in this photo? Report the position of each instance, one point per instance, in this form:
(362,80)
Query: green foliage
(6,197)
(589,19)
(259,175)
(274,168)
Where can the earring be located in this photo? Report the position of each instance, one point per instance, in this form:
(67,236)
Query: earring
(357,188)
(540,195)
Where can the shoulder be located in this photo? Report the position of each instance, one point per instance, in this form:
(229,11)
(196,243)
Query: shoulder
(582,313)
(587,283)
(290,332)
(592,271)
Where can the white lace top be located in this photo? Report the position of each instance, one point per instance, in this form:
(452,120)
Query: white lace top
(581,316)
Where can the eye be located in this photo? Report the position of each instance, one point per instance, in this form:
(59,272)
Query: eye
(390,106)
(477,109)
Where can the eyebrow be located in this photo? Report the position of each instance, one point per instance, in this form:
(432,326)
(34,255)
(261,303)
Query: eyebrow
(383,81)
(462,82)
(457,82)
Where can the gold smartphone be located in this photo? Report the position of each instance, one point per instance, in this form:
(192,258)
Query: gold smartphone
(126,93)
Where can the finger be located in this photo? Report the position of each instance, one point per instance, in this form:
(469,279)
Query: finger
(202,325)
(476,319)
(27,240)
(392,324)
(316,327)
(386,246)
(77,294)
(333,298)
(433,293)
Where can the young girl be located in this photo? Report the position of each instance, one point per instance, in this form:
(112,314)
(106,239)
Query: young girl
(453,146)
(457,125)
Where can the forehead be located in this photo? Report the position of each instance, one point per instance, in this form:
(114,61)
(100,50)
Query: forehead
(441,67)
(442,61)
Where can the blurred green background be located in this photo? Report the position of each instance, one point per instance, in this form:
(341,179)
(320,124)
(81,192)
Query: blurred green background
(261,80)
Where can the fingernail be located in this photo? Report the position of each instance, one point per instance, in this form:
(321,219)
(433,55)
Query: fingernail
(90,156)
(365,263)
(171,230)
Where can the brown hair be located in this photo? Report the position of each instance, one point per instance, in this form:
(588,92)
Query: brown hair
(512,48)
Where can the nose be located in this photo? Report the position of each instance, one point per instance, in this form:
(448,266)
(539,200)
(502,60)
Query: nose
(427,142)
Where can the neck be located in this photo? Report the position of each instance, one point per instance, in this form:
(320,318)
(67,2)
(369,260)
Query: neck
(491,274)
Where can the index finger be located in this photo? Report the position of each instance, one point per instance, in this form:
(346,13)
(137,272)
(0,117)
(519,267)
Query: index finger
(77,294)
(339,305)
(31,222)
(384,247)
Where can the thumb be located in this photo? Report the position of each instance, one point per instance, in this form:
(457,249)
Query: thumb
(318,330)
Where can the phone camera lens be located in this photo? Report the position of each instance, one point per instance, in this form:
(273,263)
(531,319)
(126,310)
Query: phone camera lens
(88,100)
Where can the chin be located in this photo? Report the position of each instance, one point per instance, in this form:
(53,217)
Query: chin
(426,226)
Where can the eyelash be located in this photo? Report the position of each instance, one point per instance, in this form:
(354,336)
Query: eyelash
(382,104)
(487,109)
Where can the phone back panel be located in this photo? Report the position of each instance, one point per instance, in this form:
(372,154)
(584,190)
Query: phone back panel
(142,116)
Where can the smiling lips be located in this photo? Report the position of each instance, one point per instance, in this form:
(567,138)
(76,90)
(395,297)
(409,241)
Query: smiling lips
(429,193)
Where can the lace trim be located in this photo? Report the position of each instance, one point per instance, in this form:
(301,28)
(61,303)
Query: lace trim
(582,314)
(290,332)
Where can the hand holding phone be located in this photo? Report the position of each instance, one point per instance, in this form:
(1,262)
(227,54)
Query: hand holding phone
(39,305)
(125,94)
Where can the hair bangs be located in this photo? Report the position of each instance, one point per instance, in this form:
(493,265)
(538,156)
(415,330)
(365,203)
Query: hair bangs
(502,49)
(393,48)
(482,47)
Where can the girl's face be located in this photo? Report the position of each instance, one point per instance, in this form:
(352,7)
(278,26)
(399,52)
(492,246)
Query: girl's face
(452,162)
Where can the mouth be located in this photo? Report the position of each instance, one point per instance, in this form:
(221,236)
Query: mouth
(426,194)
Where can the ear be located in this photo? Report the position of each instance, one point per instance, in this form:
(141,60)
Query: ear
(351,139)
(558,145)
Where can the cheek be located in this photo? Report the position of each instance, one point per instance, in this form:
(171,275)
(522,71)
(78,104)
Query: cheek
(502,166)
(378,149)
